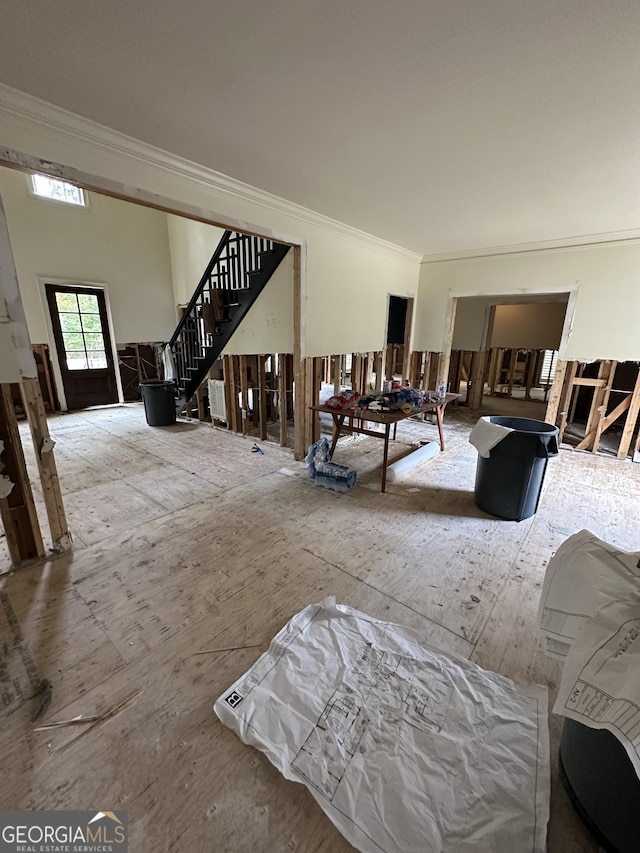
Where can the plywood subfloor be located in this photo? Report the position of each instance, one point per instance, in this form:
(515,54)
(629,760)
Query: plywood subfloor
(191,552)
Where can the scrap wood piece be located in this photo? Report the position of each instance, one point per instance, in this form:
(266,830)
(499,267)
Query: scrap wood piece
(94,720)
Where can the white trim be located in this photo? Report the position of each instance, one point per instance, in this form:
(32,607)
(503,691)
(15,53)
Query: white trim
(53,118)
(632,235)
(53,349)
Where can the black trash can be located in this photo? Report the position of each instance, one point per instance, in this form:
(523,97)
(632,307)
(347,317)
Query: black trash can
(159,400)
(602,785)
(509,481)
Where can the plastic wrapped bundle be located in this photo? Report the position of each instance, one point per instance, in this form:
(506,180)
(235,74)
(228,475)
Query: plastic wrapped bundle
(328,474)
(334,476)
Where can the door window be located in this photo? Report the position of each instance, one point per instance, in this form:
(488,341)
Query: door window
(81,327)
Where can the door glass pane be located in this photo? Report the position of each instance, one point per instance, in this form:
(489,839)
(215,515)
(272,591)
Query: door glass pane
(91,323)
(97,359)
(66,302)
(70,323)
(94,341)
(88,303)
(76,361)
(73,342)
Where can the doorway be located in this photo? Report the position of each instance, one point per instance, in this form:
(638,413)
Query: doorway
(399,319)
(83,343)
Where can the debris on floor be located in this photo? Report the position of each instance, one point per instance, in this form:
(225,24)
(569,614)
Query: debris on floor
(325,473)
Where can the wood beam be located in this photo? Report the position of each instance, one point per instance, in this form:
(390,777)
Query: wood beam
(262,391)
(43,446)
(556,393)
(300,414)
(17,509)
(476,385)
(630,423)
(283,386)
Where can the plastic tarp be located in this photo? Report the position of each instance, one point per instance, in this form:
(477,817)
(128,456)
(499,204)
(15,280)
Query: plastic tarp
(485,435)
(583,575)
(405,748)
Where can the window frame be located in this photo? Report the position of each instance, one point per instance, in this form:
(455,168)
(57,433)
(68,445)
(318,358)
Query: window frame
(67,205)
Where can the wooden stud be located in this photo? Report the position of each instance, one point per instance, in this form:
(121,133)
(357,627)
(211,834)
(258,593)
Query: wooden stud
(630,422)
(532,360)
(244,391)
(604,395)
(262,390)
(300,417)
(227,372)
(43,446)
(598,402)
(565,401)
(512,370)
(556,393)
(310,416)
(455,362)
(17,510)
(337,374)
(282,399)
(495,374)
(476,390)
(414,369)
(407,342)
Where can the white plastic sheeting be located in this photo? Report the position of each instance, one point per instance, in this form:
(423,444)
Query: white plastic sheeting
(485,435)
(583,575)
(590,618)
(405,748)
(600,686)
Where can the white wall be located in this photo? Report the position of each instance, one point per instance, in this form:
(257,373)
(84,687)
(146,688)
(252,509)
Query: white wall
(605,277)
(16,357)
(123,246)
(191,245)
(346,275)
(534,326)
(268,327)
(470,323)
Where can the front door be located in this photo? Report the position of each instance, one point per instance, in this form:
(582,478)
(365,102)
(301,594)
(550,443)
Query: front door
(81,334)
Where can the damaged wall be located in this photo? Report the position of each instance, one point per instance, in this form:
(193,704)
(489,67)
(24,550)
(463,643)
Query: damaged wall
(604,277)
(123,246)
(16,358)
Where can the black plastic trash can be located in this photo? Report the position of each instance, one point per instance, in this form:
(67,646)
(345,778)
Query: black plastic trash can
(159,400)
(602,785)
(509,481)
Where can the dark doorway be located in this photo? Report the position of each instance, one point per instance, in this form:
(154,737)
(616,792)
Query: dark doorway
(81,333)
(398,335)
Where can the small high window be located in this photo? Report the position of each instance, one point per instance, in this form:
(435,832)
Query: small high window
(56,190)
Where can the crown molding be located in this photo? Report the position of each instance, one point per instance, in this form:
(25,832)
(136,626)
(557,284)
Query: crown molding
(631,235)
(50,117)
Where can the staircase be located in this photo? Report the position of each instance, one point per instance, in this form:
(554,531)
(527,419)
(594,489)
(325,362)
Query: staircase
(235,276)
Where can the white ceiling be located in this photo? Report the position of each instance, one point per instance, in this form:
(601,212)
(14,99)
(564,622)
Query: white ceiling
(440,125)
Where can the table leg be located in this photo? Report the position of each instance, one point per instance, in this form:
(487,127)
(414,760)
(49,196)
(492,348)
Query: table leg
(387,428)
(440,418)
(338,421)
